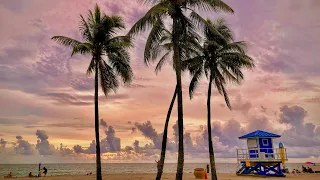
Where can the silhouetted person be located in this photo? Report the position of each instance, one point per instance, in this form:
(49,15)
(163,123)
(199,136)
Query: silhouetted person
(45,171)
(208,169)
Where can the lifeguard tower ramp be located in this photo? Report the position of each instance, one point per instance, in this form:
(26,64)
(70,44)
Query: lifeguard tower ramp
(261,158)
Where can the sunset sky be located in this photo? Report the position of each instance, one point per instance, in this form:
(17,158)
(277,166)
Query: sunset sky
(45,94)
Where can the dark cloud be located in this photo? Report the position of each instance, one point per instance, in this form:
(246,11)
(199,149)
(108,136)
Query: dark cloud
(78,149)
(149,132)
(64,151)
(103,123)
(23,147)
(136,146)
(228,132)
(113,142)
(300,133)
(43,145)
(292,115)
(175,130)
(92,148)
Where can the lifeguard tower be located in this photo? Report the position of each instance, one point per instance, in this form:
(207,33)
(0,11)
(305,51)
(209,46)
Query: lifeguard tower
(261,158)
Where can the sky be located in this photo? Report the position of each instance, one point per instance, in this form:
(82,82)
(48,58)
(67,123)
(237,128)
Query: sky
(46,99)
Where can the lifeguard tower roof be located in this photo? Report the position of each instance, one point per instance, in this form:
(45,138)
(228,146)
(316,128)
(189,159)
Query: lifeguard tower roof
(259,133)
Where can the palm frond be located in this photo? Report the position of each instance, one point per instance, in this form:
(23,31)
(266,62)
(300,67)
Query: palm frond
(207,5)
(119,42)
(82,48)
(226,97)
(161,62)
(91,67)
(66,41)
(195,81)
(148,19)
(152,47)
(97,14)
(204,25)
(85,29)
(120,62)
(108,79)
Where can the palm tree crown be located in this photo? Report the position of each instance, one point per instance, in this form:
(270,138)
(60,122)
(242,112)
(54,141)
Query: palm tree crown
(222,59)
(99,39)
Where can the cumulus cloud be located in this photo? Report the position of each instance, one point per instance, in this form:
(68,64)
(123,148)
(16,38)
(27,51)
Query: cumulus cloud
(103,123)
(64,151)
(23,147)
(149,132)
(43,145)
(300,133)
(136,146)
(113,142)
(78,149)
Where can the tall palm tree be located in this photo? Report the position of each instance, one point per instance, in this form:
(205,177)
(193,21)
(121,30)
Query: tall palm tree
(99,40)
(176,9)
(164,46)
(222,61)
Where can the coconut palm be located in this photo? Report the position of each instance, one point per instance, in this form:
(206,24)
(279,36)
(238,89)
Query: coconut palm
(100,41)
(221,61)
(156,46)
(176,9)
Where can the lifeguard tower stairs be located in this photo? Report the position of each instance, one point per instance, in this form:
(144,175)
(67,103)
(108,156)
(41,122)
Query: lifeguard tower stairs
(261,158)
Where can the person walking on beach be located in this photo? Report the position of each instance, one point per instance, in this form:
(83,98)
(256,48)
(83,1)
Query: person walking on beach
(45,171)
(208,169)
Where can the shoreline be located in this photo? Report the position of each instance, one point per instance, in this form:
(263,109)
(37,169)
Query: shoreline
(167,176)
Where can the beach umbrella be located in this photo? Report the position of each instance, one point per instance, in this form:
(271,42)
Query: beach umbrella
(310,163)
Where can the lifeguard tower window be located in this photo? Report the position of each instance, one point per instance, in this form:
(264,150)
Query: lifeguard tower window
(265,142)
(252,143)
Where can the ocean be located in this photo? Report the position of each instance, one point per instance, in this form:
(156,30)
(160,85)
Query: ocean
(21,170)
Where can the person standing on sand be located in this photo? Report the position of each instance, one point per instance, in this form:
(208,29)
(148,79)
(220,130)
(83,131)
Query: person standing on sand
(208,169)
(158,163)
(45,171)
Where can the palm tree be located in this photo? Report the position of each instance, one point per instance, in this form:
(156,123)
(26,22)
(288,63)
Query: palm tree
(156,46)
(176,9)
(99,40)
(221,61)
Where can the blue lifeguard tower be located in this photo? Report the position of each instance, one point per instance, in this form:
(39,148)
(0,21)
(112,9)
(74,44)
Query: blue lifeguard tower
(261,158)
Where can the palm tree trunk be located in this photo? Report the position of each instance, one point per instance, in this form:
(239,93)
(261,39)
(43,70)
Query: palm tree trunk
(211,153)
(96,124)
(176,59)
(164,137)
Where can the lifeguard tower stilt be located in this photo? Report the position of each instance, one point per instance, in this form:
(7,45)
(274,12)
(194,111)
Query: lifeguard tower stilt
(261,158)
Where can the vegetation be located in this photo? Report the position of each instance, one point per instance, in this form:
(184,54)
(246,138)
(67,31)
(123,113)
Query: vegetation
(181,25)
(100,41)
(221,60)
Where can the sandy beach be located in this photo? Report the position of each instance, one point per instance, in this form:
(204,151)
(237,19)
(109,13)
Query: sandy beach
(188,176)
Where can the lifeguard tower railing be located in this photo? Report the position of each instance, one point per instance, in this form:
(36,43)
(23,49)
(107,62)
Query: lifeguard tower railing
(261,154)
